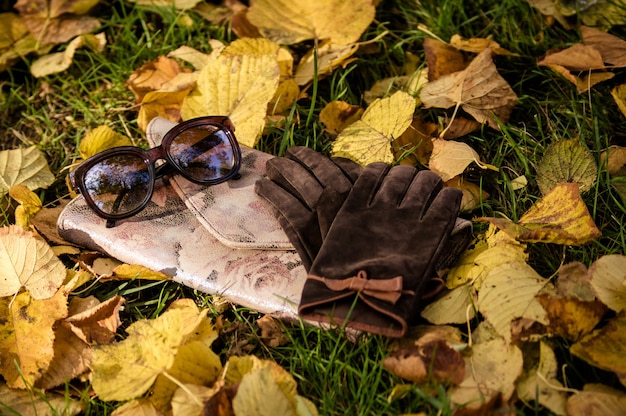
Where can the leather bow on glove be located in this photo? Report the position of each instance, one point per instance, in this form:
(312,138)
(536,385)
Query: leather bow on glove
(381,250)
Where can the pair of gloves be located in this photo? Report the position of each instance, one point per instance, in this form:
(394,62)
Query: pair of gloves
(371,239)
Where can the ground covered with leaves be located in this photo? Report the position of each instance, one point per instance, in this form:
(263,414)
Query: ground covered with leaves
(520,104)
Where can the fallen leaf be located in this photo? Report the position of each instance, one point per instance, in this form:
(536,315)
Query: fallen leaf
(615,160)
(611,48)
(337,115)
(458,127)
(577,57)
(272,334)
(571,318)
(566,161)
(92,321)
(605,347)
(16,41)
(288,22)
(597,400)
(177,4)
(508,292)
(478,89)
(185,401)
(450,158)
(152,75)
(549,8)
(322,61)
(142,407)
(100,139)
(167,104)
(477,45)
(27,336)
(127,369)
(239,86)
(491,370)
(60,61)
(608,279)
(369,139)
(411,83)
(415,145)
(24,166)
(25,402)
(196,58)
(456,306)
(71,358)
(539,382)
(260,395)
(433,360)
(29,205)
(473,195)
(135,271)
(560,217)
(442,59)
(28,262)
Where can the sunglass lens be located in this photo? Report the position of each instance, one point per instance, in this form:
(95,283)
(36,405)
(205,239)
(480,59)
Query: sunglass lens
(205,153)
(119,184)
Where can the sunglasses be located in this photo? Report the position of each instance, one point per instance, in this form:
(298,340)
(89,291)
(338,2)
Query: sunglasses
(119,182)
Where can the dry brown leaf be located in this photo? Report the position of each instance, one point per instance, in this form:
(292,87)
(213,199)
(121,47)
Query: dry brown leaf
(428,361)
(323,61)
(71,358)
(459,127)
(611,48)
(569,317)
(152,75)
(272,334)
(27,336)
(450,158)
(92,321)
(337,115)
(415,145)
(478,89)
(442,59)
(477,45)
(578,57)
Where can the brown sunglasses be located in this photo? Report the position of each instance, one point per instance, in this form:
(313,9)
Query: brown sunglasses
(119,182)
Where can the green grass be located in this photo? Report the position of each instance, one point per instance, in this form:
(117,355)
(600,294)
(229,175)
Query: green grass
(339,375)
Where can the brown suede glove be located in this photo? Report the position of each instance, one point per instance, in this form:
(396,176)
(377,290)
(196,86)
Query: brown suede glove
(381,250)
(305,190)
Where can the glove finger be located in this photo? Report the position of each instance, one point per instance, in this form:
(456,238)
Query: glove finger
(395,185)
(366,185)
(422,191)
(321,167)
(328,206)
(444,208)
(294,178)
(350,169)
(296,219)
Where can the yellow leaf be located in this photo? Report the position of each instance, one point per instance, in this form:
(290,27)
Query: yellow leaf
(411,83)
(608,279)
(329,56)
(619,95)
(135,271)
(100,139)
(28,262)
(369,139)
(260,395)
(27,336)
(193,56)
(26,167)
(571,318)
(30,204)
(539,382)
(178,4)
(450,158)
(60,61)
(71,359)
(166,104)
(238,86)
(473,195)
(127,369)
(508,292)
(478,89)
(566,161)
(560,217)
(138,407)
(152,75)
(287,22)
(489,251)
(605,348)
(457,306)
(185,400)
(491,369)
